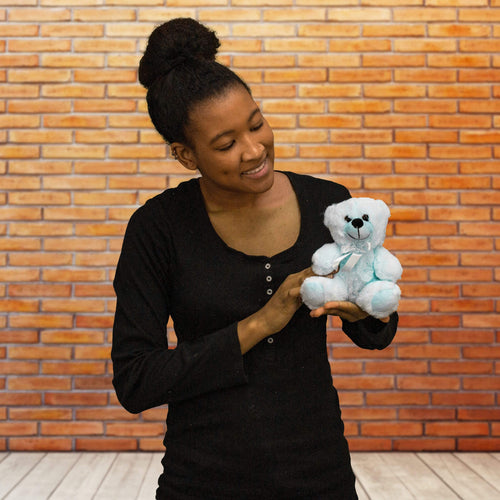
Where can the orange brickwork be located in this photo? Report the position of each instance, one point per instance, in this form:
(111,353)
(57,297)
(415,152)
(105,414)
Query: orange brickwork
(396,99)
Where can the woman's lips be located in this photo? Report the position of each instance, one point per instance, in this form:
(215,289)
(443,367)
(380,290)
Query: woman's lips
(258,169)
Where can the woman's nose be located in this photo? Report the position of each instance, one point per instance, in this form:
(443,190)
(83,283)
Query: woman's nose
(252,150)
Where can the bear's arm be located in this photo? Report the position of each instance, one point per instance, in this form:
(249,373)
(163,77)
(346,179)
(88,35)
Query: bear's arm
(386,265)
(324,260)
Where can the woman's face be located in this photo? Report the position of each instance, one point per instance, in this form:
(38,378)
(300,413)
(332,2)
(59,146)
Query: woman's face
(233,144)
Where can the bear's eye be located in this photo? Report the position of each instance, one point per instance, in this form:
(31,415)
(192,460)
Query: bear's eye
(365,217)
(347,218)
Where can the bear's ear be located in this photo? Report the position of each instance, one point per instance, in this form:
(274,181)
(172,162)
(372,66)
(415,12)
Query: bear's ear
(379,220)
(330,215)
(382,209)
(333,220)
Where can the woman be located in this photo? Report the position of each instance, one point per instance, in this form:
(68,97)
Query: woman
(252,410)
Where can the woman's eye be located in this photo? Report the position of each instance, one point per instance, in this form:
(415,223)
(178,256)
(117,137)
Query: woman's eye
(226,148)
(257,127)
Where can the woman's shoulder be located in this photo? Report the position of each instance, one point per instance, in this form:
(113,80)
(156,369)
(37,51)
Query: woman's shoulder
(318,188)
(169,202)
(171,205)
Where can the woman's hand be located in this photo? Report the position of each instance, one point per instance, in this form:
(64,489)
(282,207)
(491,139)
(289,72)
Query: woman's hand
(285,301)
(276,314)
(345,310)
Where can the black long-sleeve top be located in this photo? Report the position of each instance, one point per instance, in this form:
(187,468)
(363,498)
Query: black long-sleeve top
(265,421)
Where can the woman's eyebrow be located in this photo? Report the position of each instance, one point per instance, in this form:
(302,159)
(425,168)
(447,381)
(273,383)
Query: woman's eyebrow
(226,132)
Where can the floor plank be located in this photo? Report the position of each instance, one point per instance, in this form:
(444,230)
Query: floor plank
(87,473)
(400,475)
(419,479)
(466,483)
(15,467)
(377,479)
(150,482)
(134,476)
(484,464)
(362,494)
(44,477)
(125,477)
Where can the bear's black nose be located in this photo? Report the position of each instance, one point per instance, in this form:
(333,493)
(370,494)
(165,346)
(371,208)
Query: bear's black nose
(357,223)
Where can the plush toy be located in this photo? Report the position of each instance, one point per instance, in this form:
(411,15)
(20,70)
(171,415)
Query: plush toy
(364,272)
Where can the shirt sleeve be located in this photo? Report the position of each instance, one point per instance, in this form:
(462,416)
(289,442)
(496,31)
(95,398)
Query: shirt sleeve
(371,333)
(146,372)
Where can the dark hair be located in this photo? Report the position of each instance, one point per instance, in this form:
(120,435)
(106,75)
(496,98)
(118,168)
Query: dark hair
(179,70)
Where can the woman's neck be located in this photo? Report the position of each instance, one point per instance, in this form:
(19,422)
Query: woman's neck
(220,200)
(265,225)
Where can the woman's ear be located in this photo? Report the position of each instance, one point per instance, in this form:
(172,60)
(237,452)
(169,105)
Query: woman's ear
(184,155)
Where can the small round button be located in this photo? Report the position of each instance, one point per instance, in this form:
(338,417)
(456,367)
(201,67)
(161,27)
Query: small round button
(269,291)
(269,279)
(268,266)
(270,340)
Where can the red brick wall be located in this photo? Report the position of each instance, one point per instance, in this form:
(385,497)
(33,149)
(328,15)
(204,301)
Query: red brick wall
(396,99)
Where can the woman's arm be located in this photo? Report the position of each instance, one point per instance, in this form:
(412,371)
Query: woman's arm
(146,372)
(364,330)
(371,333)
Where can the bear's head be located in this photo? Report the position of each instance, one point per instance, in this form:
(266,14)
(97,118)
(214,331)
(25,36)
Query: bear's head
(358,223)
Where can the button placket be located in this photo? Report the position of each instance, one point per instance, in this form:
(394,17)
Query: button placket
(269,278)
(270,351)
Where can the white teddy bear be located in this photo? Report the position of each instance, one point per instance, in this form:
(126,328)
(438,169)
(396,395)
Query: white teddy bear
(367,272)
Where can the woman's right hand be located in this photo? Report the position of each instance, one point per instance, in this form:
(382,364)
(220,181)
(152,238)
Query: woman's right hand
(276,314)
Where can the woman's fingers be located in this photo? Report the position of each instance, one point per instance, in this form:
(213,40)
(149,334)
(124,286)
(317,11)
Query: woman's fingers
(305,273)
(344,309)
(298,279)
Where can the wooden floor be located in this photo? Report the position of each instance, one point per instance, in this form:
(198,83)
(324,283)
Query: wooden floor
(121,476)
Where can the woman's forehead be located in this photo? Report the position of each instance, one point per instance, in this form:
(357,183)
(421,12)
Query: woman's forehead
(225,112)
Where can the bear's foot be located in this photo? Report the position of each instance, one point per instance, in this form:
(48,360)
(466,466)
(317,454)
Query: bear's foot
(379,298)
(317,291)
(312,292)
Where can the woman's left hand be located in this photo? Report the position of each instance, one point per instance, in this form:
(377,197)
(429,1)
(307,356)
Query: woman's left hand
(345,310)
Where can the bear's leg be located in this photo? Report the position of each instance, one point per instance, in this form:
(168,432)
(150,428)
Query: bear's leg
(379,298)
(317,290)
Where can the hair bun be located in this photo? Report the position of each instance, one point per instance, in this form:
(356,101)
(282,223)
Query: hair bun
(174,43)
